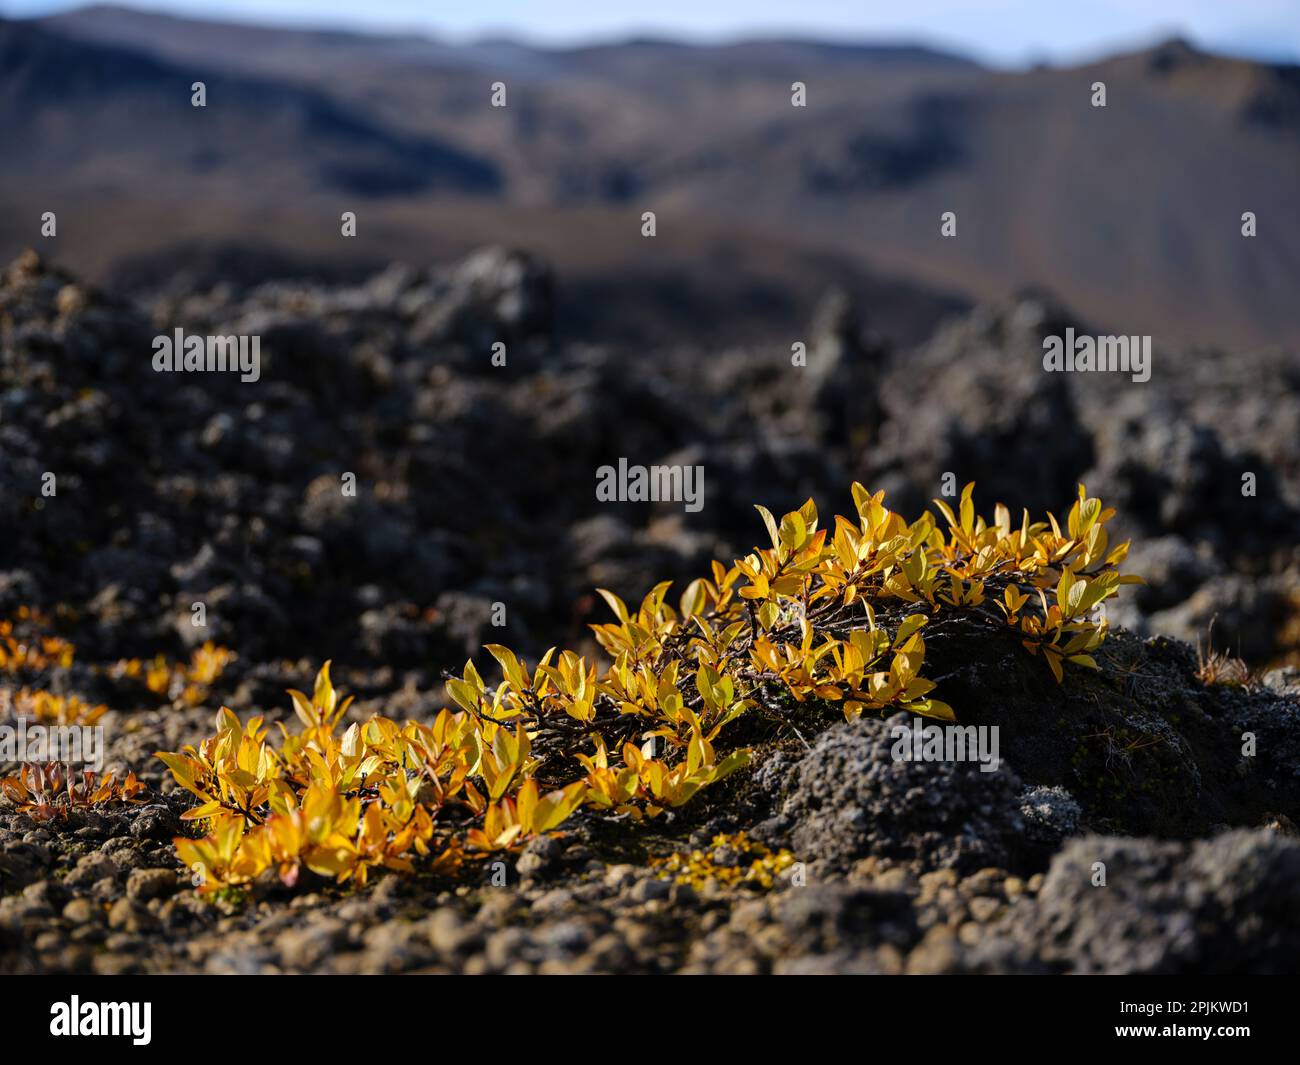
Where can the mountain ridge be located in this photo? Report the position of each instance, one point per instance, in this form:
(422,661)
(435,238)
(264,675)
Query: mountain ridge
(1131,213)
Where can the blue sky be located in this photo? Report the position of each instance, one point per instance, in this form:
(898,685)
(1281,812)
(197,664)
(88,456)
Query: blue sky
(1009,32)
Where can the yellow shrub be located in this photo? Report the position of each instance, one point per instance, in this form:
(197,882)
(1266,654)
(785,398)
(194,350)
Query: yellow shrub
(828,619)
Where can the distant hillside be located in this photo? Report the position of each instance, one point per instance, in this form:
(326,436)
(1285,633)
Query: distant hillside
(98,117)
(1130,213)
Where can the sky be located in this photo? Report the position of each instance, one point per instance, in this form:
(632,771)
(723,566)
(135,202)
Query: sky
(1003,32)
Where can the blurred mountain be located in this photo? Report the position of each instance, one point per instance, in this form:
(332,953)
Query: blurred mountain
(1131,213)
(87,116)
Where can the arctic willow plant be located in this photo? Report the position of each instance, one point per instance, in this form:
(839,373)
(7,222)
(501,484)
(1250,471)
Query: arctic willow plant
(833,618)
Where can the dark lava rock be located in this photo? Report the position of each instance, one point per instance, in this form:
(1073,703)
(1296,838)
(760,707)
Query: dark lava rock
(1051,814)
(1225,905)
(1142,745)
(973,396)
(849,798)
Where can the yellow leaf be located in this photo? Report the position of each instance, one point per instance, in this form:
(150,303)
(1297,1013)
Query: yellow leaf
(770,522)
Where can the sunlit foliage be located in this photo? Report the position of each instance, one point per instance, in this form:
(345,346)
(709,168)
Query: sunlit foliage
(25,646)
(52,790)
(183,682)
(729,861)
(824,617)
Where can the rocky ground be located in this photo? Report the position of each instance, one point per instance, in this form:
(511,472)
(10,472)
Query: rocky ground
(475,488)
(902,867)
